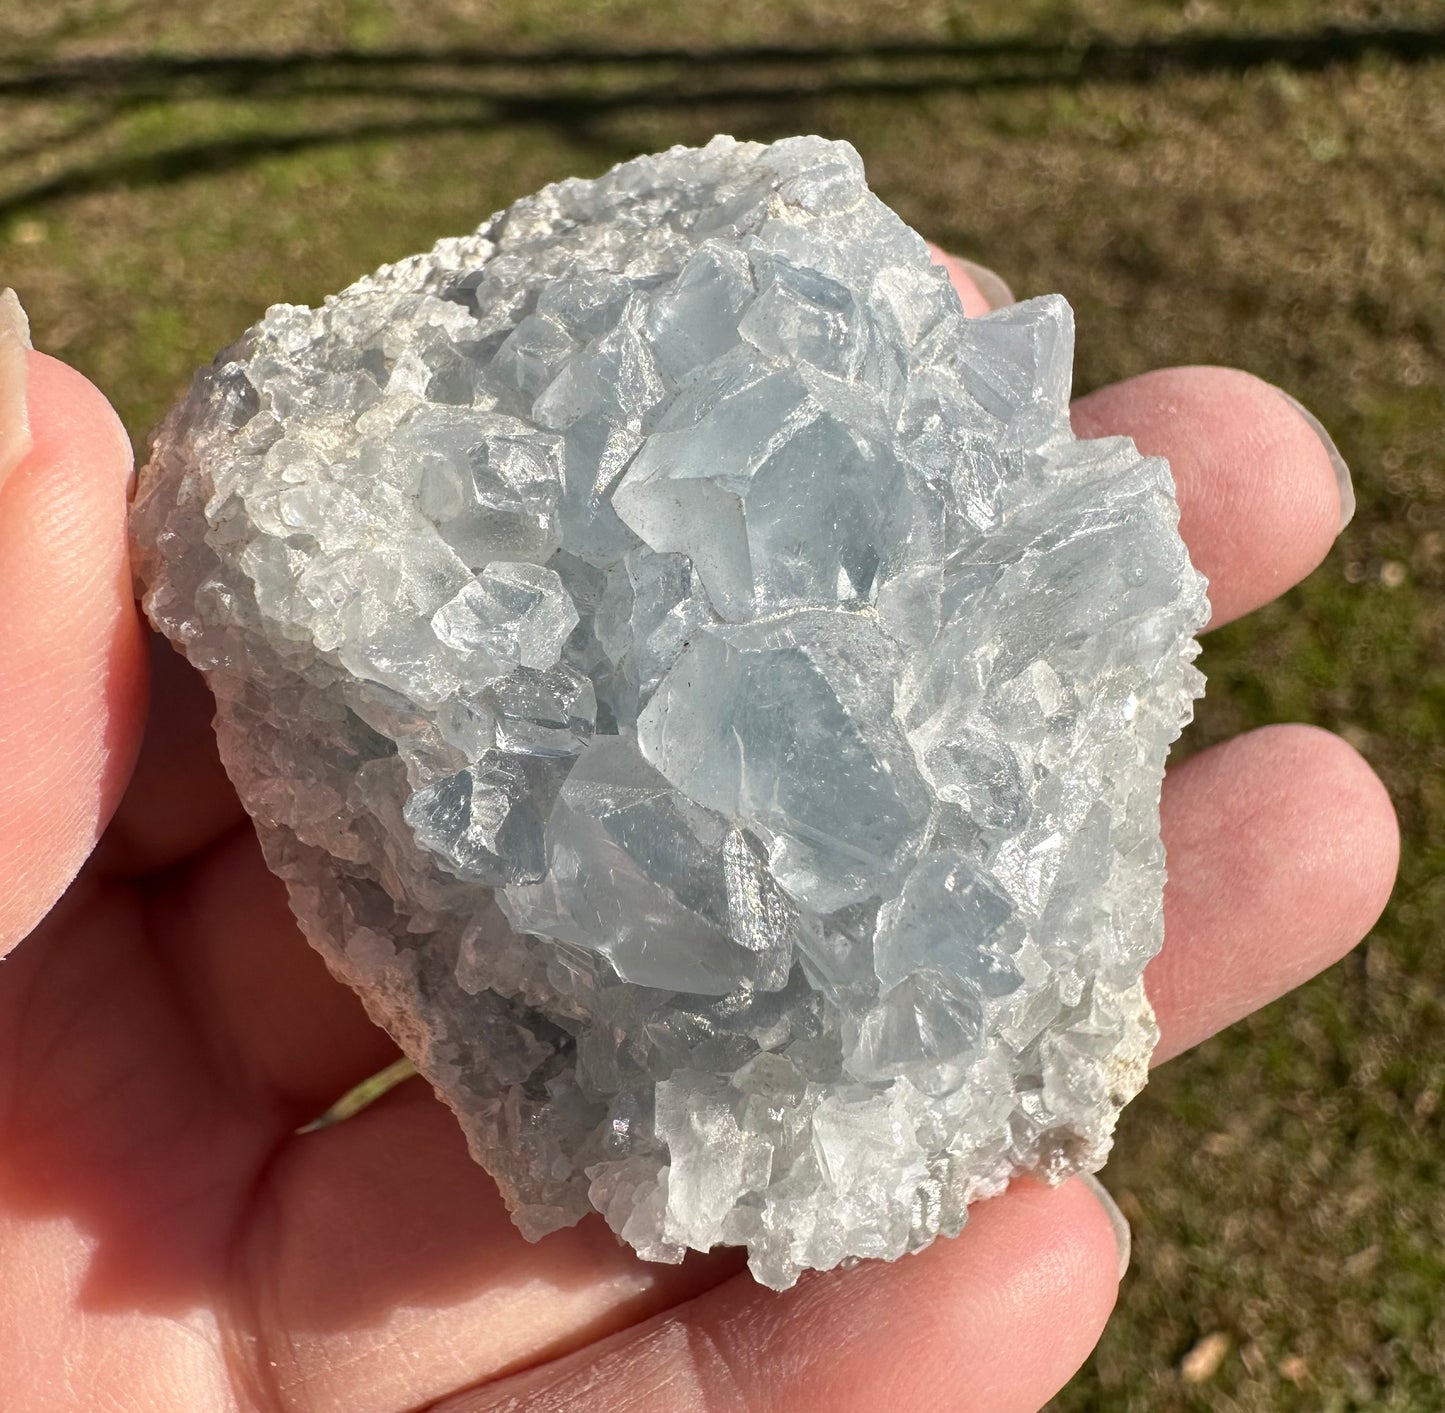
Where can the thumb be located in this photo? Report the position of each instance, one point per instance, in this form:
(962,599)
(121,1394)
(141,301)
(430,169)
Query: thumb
(72,662)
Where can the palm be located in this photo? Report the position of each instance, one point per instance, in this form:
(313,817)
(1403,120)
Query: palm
(170,1243)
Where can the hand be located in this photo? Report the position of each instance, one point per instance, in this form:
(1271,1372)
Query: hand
(169,1244)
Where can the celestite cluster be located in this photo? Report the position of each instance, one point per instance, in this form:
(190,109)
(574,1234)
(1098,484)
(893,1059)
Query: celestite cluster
(702,696)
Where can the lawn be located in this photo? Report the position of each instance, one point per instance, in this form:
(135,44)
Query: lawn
(1254,184)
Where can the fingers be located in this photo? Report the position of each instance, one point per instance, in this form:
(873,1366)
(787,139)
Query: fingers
(1282,852)
(1259,494)
(263,994)
(994,1322)
(72,662)
(351,1268)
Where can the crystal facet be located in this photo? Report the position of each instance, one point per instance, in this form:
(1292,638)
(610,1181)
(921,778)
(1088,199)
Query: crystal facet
(701,694)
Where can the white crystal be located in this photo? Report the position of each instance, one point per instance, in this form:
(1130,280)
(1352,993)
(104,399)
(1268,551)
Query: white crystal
(701,694)
(514,613)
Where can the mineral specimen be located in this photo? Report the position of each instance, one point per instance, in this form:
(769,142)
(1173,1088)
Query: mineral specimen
(700,693)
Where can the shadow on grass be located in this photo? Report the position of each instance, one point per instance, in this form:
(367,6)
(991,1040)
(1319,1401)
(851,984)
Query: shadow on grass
(571,89)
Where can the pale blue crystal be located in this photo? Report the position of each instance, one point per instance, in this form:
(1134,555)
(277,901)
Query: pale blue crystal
(698,690)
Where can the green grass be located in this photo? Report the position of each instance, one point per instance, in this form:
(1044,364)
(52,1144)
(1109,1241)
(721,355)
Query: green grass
(1285,1181)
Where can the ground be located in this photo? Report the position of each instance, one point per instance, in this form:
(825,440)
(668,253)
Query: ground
(1254,184)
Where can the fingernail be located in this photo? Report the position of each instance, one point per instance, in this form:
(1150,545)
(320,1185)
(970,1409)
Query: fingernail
(990,284)
(1342,471)
(1123,1239)
(14,418)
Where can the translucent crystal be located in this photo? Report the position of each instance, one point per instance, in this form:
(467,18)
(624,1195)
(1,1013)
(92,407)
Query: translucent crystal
(701,694)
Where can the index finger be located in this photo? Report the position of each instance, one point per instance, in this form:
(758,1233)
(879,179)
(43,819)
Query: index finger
(72,664)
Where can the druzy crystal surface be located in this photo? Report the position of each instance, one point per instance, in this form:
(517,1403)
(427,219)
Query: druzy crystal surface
(702,696)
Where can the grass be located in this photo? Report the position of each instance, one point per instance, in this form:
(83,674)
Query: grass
(1285,1181)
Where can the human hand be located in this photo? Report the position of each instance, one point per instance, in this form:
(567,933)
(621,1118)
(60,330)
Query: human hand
(167,1240)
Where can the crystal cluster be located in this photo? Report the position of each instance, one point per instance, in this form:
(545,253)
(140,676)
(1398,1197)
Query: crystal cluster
(703,697)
